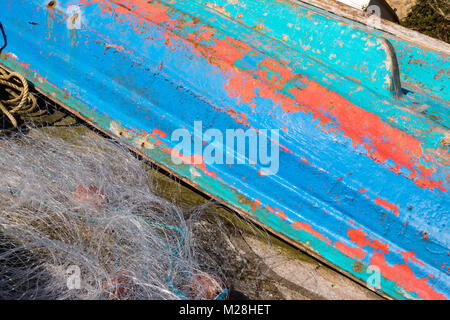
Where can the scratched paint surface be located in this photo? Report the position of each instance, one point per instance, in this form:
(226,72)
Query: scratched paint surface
(360,182)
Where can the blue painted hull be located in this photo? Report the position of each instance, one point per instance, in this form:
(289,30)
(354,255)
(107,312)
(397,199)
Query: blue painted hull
(363,168)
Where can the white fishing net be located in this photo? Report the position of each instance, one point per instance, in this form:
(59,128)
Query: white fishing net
(82,217)
(81,221)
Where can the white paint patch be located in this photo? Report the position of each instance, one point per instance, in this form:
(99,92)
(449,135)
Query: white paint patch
(358,4)
(75,18)
(194,173)
(16,58)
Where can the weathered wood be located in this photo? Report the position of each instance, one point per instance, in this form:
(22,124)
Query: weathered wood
(397,30)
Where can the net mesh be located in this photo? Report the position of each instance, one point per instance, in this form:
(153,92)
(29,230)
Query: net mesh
(80,216)
(79,219)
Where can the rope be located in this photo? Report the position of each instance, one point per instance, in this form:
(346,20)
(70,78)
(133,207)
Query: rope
(15,97)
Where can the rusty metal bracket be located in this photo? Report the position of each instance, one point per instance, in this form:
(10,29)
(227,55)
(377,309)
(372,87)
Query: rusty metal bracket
(395,86)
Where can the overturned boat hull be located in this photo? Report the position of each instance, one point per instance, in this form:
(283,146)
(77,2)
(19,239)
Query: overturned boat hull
(359,118)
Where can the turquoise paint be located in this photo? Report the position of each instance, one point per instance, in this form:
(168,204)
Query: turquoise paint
(354,38)
(221,191)
(128,87)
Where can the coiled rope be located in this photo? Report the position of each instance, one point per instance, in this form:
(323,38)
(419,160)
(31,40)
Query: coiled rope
(15,97)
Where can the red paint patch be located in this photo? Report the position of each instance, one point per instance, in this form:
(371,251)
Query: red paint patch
(411,255)
(404,276)
(230,50)
(350,251)
(387,205)
(255,204)
(307,228)
(160,133)
(277,212)
(362,240)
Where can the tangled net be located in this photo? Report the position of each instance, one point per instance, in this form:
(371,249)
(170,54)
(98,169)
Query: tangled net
(81,221)
(82,218)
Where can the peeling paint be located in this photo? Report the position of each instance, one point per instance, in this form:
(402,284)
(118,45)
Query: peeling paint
(351,152)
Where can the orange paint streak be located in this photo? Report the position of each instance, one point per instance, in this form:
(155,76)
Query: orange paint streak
(152,11)
(411,255)
(307,228)
(206,33)
(281,74)
(386,142)
(239,117)
(350,251)
(235,84)
(255,204)
(277,212)
(354,79)
(230,50)
(160,133)
(401,273)
(404,276)
(387,205)
(195,159)
(361,239)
